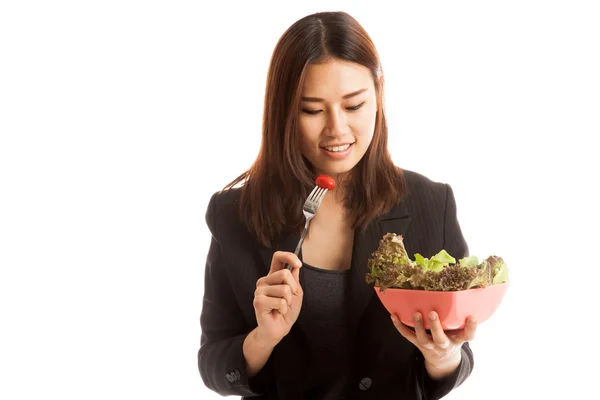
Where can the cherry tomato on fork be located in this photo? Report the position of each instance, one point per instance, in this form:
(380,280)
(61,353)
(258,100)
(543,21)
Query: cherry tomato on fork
(325,182)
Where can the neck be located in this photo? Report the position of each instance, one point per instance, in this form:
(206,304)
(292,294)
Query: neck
(340,180)
(333,202)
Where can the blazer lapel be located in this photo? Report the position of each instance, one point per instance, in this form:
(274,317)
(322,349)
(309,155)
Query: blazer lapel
(365,243)
(287,242)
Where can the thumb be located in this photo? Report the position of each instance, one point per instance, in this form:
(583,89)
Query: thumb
(296,274)
(280,258)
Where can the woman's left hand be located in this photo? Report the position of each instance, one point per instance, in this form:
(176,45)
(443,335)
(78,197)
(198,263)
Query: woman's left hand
(441,350)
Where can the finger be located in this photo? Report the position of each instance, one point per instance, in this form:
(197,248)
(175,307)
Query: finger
(437,332)
(280,258)
(265,304)
(423,338)
(404,330)
(468,333)
(281,277)
(278,291)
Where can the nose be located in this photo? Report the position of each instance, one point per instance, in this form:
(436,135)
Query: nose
(336,123)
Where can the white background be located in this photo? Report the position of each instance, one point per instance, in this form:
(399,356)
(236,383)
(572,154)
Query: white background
(119,119)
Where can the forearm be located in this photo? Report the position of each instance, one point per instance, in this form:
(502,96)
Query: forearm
(256,352)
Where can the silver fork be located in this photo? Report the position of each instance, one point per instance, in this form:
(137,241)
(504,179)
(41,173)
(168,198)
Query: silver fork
(312,203)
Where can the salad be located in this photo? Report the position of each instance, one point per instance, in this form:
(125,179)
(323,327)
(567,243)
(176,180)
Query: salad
(391,267)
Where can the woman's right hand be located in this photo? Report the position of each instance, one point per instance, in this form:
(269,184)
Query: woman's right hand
(278,299)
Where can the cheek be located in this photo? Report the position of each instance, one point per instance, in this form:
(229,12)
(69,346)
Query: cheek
(309,131)
(364,125)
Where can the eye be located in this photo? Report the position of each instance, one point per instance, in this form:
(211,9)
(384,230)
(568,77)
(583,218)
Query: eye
(311,112)
(356,107)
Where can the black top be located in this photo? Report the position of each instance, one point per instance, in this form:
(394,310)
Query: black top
(324,318)
(383,364)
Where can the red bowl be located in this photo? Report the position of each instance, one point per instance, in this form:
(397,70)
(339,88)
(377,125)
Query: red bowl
(453,308)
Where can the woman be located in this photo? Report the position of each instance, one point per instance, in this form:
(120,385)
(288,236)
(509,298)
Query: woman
(320,331)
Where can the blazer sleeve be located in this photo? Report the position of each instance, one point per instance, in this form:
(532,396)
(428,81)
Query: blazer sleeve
(221,361)
(454,244)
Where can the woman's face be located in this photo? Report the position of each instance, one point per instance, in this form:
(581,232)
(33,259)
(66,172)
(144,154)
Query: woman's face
(338,107)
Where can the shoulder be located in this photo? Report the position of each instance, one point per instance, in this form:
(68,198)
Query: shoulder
(432,207)
(421,188)
(417,182)
(222,212)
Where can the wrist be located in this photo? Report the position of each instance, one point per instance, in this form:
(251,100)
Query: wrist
(256,352)
(259,339)
(442,368)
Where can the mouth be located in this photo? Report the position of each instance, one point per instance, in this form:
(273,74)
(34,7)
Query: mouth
(338,152)
(337,148)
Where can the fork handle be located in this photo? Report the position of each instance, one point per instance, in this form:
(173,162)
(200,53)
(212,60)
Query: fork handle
(299,245)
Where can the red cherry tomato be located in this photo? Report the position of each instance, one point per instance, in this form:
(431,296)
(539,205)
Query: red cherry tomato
(325,182)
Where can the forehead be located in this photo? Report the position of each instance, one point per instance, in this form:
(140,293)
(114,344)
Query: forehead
(333,79)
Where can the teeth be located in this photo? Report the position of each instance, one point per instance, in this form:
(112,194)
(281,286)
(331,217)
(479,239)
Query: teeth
(338,148)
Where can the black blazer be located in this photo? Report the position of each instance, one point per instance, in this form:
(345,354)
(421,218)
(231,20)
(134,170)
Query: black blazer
(394,367)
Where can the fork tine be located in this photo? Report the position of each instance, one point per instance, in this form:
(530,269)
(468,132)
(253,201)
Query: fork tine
(312,194)
(315,193)
(320,196)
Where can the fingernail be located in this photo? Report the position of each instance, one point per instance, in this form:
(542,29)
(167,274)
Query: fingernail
(394,318)
(474,320)
(417,317)
(432,316)
(298,263)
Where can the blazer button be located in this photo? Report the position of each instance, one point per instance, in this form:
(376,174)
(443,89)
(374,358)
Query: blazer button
(365,383)
(233,376)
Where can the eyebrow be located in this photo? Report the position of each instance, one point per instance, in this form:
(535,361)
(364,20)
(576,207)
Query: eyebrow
(346,96)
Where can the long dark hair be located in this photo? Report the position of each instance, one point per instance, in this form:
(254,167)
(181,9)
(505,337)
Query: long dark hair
(276,185)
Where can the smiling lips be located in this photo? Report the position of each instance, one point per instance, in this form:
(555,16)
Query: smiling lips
(337,147)
(338,152)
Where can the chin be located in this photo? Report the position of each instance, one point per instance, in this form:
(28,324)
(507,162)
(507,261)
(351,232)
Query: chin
(334,170)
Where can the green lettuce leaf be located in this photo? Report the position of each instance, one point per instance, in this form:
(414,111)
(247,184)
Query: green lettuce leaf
(436,263)
(471,261)
(391,267)
(500,270)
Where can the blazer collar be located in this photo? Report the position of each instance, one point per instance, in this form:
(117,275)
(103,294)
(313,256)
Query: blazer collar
(365,243)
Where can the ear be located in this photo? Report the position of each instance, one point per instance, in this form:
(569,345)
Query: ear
(380,76)
(380,83)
